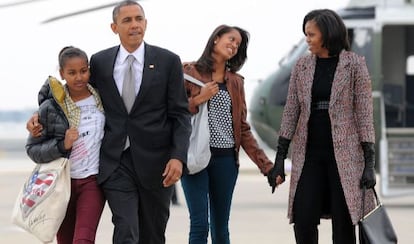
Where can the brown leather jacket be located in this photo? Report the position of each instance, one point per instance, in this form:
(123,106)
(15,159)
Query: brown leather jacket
(242,133)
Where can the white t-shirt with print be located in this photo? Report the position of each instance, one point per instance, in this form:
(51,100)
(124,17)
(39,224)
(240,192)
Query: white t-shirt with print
(85,150)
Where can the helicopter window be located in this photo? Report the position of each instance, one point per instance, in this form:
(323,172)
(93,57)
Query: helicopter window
(296,51)
(397,51)
(409,91)
(410,65)
(361,43)
(361,37)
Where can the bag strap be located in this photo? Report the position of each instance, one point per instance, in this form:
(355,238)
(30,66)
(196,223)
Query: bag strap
(363,198)
(193,80)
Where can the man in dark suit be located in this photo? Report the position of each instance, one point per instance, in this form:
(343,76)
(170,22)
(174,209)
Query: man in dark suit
(138,180)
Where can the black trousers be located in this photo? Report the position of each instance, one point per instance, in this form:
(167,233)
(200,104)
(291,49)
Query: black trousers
(320,193)
(139,214)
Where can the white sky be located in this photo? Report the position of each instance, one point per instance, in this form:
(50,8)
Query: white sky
(29,49)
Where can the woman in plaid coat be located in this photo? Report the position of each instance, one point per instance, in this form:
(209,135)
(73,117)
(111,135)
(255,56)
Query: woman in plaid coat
(329,119)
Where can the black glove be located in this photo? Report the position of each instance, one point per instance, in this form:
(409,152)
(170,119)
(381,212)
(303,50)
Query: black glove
(368,179)
(279,167)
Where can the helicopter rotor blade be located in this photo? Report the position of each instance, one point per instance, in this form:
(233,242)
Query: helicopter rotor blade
(88,10)
(16,3)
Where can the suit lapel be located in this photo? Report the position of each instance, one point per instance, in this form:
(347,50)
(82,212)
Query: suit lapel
(111,84)
(150,67)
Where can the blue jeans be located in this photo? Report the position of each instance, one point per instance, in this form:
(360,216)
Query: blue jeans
(209,194)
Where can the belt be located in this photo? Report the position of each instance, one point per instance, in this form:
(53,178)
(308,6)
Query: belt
(320,105)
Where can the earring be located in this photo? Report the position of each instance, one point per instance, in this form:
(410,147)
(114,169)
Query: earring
(215,42)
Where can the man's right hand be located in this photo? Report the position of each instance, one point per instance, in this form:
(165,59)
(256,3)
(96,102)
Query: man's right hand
(33,125)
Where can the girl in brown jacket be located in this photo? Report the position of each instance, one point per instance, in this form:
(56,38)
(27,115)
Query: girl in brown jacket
(209,192)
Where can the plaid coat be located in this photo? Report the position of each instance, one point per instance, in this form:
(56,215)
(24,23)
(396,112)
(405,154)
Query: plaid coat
(351,115)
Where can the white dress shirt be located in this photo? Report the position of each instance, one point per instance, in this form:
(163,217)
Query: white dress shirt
(121,65)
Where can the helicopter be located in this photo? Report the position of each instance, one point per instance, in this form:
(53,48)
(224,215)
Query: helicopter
(383,32)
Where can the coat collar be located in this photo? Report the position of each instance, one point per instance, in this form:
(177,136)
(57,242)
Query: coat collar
(341,77)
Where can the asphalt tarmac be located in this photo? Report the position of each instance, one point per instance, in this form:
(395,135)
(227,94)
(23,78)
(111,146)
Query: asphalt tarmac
(257,216)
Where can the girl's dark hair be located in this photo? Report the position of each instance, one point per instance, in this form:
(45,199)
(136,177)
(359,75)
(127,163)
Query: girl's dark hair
(205,63)
(334,32)
(70,52)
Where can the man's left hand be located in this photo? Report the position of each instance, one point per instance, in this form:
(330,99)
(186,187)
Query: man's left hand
(172,172)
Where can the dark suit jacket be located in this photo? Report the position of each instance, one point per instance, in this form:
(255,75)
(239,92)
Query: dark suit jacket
(159,122)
